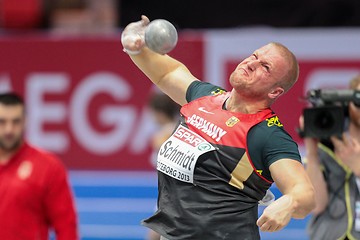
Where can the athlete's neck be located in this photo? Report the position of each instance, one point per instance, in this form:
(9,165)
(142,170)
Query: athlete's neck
(235,103)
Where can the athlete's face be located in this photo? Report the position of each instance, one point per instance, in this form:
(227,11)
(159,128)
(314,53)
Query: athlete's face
(259,74)
(12,124)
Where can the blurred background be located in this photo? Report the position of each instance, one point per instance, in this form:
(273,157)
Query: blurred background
(88,103)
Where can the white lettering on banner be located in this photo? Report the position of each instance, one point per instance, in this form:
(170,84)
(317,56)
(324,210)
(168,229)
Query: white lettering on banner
(212,130)
(37,84)
(178,155)
(122,118)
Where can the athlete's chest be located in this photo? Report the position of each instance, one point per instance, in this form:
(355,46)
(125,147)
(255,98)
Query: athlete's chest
(207,118)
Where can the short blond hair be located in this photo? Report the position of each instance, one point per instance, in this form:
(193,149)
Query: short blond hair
(293,73)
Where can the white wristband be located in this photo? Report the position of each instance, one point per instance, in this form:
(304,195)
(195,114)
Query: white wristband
(131,52)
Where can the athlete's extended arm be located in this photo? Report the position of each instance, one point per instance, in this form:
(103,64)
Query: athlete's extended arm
(170,75)
(298,195)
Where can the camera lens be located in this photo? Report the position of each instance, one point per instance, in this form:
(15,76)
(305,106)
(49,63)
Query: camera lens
(324,120)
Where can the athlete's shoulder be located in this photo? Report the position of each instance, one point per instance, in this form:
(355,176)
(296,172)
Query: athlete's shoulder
(198,89)
(269,128)
(273,140)
(271,124)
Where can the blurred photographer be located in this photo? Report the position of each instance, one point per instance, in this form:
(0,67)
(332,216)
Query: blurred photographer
(334,170)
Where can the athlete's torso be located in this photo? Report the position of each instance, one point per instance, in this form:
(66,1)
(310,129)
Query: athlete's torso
(216,195)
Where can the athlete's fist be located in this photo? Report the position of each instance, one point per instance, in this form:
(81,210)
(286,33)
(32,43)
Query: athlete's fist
(133,36)
(277,215)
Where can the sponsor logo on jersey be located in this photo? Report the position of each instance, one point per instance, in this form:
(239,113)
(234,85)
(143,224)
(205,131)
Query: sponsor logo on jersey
(232,121)
(202,109)
(188,137)
(204,146)
(209,128)
(274,121)
(218,91)
(259,172)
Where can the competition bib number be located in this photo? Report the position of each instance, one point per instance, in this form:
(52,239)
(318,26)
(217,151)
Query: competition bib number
(177,156)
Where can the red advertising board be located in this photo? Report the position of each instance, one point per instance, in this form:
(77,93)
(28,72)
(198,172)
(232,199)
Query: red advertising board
(86,101)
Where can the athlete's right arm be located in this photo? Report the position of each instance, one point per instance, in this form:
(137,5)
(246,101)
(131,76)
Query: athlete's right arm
(170,75)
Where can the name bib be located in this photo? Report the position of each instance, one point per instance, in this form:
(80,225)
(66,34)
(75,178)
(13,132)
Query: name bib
(178,155)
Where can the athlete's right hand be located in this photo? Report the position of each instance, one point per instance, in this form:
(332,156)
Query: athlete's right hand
(277,215)
(133,36)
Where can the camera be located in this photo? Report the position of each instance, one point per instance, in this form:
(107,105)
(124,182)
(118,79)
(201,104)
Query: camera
(329,112)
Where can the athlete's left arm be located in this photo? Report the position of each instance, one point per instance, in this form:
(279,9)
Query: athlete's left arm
(298,195)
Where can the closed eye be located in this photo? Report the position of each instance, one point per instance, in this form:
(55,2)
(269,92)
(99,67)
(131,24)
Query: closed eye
(264,64)
(266,67)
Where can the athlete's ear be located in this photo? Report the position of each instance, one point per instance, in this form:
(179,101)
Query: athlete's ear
(275,93)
